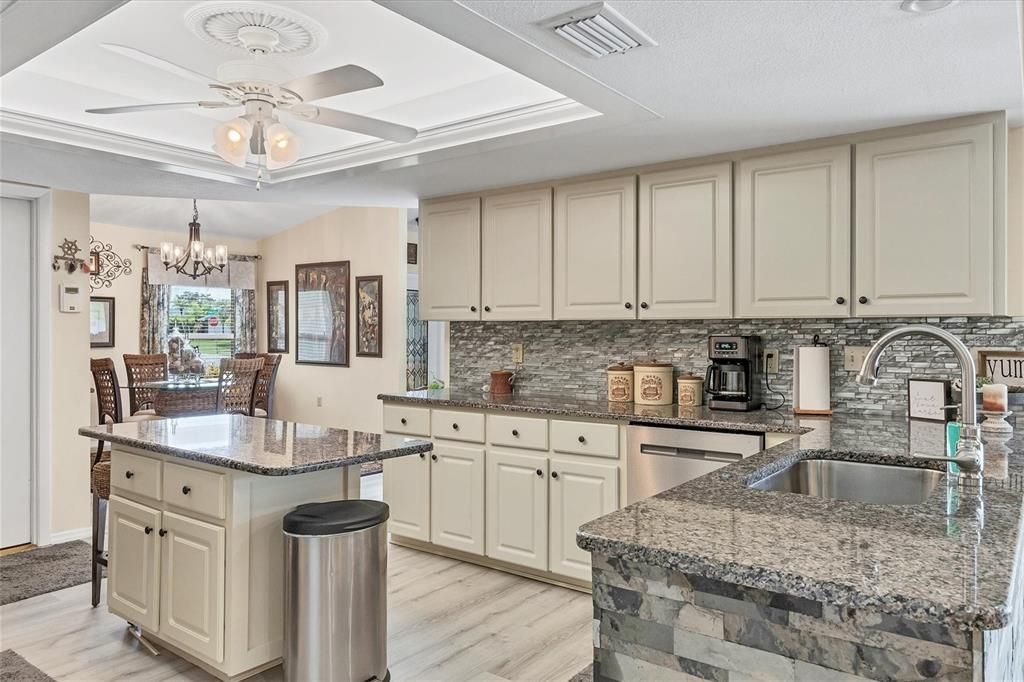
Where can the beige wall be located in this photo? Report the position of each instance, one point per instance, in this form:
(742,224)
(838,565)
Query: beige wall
(373,240)
(1015,219)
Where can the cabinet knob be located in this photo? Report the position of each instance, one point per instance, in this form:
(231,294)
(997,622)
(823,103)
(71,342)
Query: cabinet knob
(629,306)
(129,474)
(840,300)
(472,308)
(163,532)
(515,432)
(423,455)
(643,304)
(487,308)
(862,300)
(540,472)
(149,529)
(185,490)
(455,427)
(433,457)
(554,474)
(404,421)
(582,439)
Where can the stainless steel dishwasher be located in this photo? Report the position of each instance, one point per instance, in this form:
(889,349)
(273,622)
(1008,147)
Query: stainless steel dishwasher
(659,458)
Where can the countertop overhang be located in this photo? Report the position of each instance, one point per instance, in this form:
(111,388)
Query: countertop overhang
(268,447)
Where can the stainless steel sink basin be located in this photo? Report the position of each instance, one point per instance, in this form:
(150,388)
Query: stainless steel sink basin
(855,481)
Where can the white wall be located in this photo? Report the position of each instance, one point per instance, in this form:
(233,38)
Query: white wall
(373,240)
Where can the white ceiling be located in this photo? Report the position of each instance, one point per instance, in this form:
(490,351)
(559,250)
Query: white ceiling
(724,76)
(243,219)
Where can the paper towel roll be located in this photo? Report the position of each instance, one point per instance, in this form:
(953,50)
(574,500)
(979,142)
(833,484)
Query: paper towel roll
(811,386)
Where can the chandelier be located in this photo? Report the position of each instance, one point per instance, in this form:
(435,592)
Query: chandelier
(195,259)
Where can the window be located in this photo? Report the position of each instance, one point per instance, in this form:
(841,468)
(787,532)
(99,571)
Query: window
(206,316)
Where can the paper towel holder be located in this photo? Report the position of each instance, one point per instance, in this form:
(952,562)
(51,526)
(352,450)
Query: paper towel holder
(812,372)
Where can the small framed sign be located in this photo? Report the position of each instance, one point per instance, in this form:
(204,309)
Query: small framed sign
(927,399)
(1002,366)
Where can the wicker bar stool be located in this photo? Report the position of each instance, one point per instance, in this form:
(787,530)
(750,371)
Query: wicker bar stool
(263,401)
(236,386)
(142,369)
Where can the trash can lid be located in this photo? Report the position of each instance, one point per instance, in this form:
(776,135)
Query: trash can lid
(332,518)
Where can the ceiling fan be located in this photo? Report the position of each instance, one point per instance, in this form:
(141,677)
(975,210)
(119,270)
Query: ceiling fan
(262,90)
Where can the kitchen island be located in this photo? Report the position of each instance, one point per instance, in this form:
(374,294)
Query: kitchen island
(196,551)
(718,580)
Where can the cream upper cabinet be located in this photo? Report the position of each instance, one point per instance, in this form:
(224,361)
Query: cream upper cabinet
(517,508)
(450,259)
(407,492)
(685,243)
(793,234)
(457,497)
(516,256)
(924,224)
(595,250)
(580,492)
(133,585)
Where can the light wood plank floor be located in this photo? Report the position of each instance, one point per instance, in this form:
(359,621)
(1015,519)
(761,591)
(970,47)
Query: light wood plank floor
(447,620)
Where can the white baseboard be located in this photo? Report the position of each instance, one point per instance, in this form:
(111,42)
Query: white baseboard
(69,535)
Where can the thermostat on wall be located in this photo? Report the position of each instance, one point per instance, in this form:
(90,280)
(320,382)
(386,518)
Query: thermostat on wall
(70,298)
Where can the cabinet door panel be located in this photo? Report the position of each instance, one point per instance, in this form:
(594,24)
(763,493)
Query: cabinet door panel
(516,256)
(925,224)
(517,508)
(793,235)
(595,250)
(685,243)
(580,492)
(450,259)
(133,573)
(407,492)
(457,497)
(192,586)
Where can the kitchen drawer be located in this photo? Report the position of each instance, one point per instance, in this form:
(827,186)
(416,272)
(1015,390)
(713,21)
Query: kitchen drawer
(517,432)
(197,490)
(414,421)
(585,438)
(135,474)
(467,426)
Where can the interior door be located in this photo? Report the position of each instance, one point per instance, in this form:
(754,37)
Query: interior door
(580,492)
(457,497)
(15,373)
(133,570)
(407,492)
(450,259)
(516,256)
(192,585)
(517,508)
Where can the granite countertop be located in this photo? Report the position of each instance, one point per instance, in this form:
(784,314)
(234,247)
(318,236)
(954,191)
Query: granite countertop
(269,447)
(915,561)
(760,421)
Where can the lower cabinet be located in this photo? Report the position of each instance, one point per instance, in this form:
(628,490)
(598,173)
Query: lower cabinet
(133,572)
(517,508)
(579,492)
(457,497)
(407,492)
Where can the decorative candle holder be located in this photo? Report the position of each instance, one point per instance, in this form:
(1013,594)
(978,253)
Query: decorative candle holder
(995,422)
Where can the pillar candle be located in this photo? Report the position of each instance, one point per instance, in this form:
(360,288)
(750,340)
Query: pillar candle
(993,397)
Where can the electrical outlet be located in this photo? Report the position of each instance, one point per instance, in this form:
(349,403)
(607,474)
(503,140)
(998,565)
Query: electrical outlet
(319,401)
(853,357)
(517,353)
(771,361)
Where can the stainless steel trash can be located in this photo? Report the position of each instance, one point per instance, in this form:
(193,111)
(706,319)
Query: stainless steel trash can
(336,557)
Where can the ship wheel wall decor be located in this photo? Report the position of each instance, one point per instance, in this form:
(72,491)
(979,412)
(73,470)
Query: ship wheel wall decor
(105,265)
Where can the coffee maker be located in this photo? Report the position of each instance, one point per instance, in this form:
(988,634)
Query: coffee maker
(733,380)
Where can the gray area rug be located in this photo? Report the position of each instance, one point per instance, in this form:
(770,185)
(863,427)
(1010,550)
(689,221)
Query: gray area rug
(14,668)
(42,570)
(585,675)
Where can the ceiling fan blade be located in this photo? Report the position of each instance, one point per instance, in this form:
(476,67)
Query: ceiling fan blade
(336,81)
(163,64)
(355,123)
(133,108)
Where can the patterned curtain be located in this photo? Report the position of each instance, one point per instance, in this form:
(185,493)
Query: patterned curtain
(156,301)
(245,320)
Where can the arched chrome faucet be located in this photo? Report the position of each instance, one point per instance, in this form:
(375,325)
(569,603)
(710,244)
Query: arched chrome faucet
(969,451)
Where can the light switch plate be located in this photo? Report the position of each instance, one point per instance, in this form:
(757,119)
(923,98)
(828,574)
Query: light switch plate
(853,357)
(517,353)
(771,361)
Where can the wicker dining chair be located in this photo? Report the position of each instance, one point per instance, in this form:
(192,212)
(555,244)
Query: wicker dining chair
(236,386)
(263,400)
(142,369)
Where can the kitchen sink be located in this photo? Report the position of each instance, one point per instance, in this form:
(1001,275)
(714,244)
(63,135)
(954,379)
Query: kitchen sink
(855,481)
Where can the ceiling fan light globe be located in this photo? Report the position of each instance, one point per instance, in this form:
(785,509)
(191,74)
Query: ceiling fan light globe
(282,146)
(231,140)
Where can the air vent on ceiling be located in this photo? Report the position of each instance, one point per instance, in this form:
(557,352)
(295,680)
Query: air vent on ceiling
(598,31)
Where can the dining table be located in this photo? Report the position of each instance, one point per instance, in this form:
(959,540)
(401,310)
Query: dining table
(183,397)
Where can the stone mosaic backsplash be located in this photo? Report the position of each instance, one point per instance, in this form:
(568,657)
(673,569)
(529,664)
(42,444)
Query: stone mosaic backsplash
(568,358)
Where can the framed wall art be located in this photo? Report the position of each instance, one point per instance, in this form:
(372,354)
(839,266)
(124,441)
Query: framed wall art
(101,322)
(411,253)
(277,316)
(368,321)
(321,313)
(927,399)
(1002,367)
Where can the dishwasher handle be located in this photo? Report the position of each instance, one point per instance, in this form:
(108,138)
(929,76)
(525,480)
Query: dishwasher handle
(690,453)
